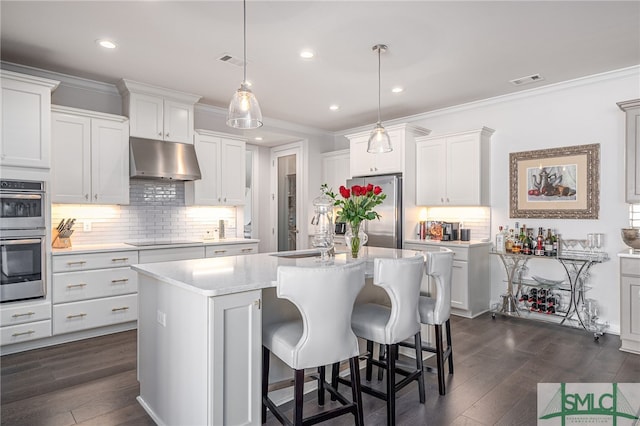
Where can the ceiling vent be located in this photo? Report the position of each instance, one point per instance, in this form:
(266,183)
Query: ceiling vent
(527,80)
(225,57)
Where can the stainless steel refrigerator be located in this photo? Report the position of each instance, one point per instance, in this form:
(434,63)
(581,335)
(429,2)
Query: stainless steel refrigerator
(386,232)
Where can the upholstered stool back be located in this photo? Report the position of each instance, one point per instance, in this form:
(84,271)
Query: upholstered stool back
(324,296)
(439,265)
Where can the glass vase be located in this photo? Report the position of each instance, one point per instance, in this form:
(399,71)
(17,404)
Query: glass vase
(355,238)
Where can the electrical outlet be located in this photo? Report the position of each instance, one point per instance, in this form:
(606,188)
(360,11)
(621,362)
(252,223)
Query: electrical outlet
(161,317)
(86,226)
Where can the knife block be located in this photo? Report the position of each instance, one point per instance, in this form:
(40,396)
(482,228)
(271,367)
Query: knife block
(59,242)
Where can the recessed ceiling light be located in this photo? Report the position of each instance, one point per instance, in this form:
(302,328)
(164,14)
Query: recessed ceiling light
(397,89)
(307,54)
(258,138)
(107,44)
(334,107)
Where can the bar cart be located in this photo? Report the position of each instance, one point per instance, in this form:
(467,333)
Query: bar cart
(524,293)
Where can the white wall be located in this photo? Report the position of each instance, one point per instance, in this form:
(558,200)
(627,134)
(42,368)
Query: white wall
(573,113)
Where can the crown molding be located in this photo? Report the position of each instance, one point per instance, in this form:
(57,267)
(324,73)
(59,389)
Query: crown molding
(64,79)
(550,88)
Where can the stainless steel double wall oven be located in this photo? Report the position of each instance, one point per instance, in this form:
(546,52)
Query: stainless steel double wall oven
(22,240)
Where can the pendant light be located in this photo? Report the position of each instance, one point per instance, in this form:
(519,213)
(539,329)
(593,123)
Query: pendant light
(244,111)
(379,141)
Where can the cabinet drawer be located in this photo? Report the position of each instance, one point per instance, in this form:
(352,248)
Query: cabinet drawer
(76,316)
(10,315)
(24,332)
(73,286)
(629,266)
(83,262)
(459,253)
(230,250)
(169,254)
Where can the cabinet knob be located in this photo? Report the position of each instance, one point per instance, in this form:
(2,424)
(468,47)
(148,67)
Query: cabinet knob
(86,196)
(167,135)
(442,200)
(95,196)
(219,200)
(225,199)
(447,199)
(159,133)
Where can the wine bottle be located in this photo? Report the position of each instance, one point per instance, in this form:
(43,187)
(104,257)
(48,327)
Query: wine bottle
(500,240)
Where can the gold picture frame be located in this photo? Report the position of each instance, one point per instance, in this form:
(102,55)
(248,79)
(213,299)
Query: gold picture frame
(555,183)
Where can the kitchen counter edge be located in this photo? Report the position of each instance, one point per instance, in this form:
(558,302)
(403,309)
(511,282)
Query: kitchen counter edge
(457,243)
(97,248)
(631,253)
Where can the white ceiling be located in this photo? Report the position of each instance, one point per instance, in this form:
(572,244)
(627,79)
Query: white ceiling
(442,53)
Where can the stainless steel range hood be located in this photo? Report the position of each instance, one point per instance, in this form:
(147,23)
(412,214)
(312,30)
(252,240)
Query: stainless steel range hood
(155,159)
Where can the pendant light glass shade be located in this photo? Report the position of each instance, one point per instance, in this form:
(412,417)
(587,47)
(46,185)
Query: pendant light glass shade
(379,141)
(244,110)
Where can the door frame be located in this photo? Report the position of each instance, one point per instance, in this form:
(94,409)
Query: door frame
(297,149)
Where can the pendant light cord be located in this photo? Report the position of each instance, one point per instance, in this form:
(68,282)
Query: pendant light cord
(379,84)
(244,38)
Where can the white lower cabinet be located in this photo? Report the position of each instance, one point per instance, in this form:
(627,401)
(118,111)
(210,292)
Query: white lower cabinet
(630,304)
(170,254)
(93,290)
(199,357)
(94,313)
(230,250)
(24,321)
(470,275)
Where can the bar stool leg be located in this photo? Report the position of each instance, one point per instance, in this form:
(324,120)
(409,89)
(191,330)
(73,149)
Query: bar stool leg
(298,384)
(391,384)
(265,381)
(418,343)
(450,347)
(439,359)
(321,371)
(335,371)
(381,358)
(356,393)
(369,367)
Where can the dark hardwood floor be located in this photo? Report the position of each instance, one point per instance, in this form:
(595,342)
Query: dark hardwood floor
(498,364)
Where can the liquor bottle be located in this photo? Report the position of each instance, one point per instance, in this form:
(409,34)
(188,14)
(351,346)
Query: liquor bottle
(500,240)
(526,242)
(539,251)
(555,238)
(548,244)
(508,244)
(517,244)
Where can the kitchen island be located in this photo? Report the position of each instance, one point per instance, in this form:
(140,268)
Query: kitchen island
(200,332)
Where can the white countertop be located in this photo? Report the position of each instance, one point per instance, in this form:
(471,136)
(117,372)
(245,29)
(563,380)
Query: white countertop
(631,253)
(93,248)
(456,243)
(235,274)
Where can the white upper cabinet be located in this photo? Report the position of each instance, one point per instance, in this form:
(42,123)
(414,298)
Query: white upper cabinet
(632,150)
(157,113)
(454,169)
(26,120)
(335,169)
(363,163)
(222,165)
(90,161)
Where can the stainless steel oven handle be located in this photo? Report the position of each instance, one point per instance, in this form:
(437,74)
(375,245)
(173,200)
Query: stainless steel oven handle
(16,242)
(21,196)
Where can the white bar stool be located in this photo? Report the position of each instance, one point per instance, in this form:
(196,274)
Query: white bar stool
(437,311)
(401,279)
(324,295)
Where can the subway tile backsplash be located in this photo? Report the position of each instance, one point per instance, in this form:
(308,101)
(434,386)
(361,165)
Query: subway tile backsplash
(156,211)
